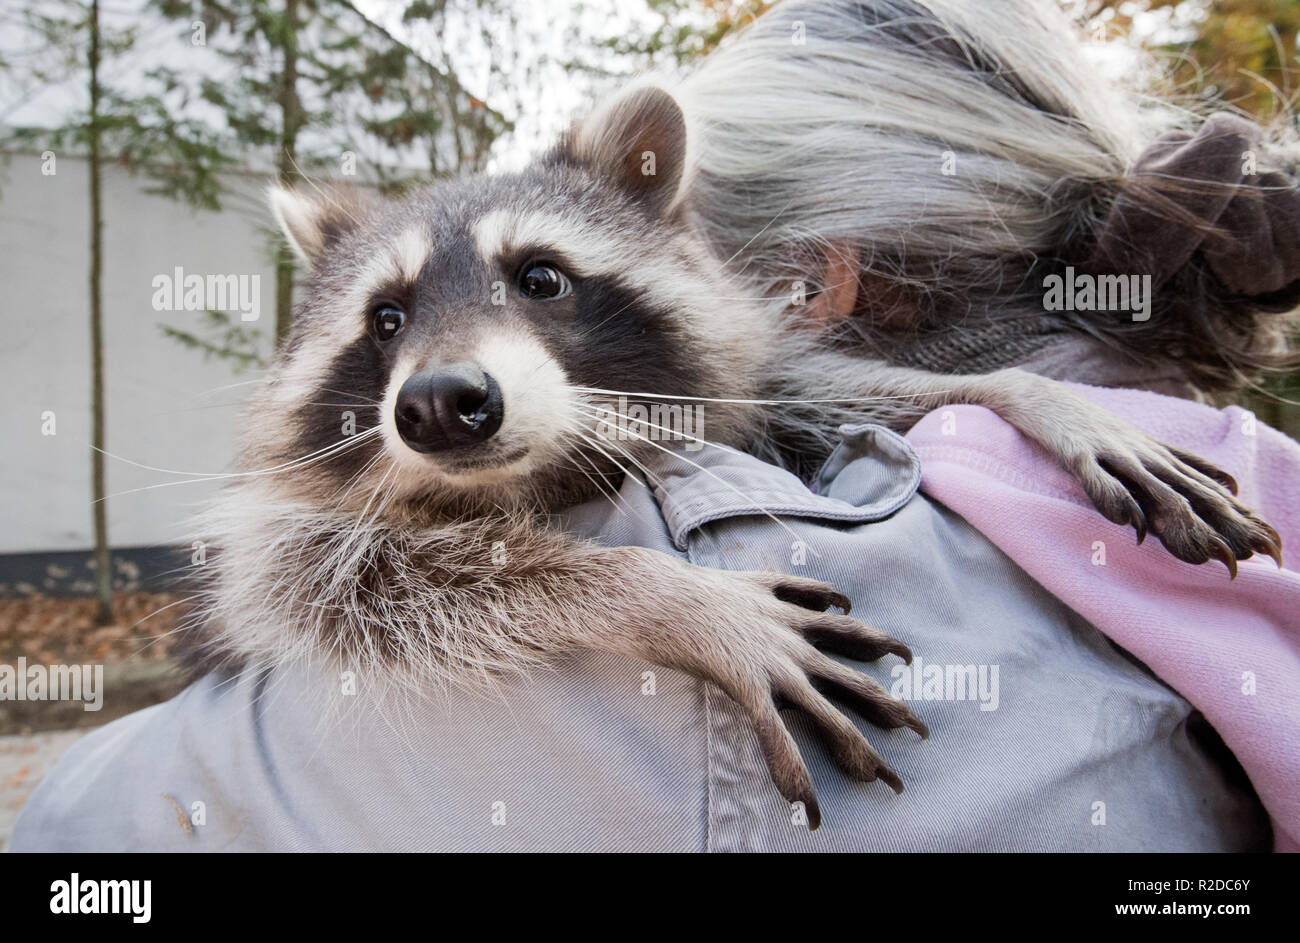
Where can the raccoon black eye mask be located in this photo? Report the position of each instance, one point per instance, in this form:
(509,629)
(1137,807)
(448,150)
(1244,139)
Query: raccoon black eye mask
(472,334)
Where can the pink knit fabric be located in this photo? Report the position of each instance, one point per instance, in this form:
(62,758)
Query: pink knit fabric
(1209,638)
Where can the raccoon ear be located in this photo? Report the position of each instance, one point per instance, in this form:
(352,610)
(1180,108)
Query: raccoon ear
(639,141)
(312,220)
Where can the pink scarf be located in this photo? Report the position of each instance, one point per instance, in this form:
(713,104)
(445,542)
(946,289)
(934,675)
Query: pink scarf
(1232,648)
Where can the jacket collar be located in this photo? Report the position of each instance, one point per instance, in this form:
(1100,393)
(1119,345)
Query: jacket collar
(871,474)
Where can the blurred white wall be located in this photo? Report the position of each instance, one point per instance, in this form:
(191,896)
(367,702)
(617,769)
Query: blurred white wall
(159,408)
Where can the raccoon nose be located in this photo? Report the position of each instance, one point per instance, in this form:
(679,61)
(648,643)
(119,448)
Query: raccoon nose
(449,407)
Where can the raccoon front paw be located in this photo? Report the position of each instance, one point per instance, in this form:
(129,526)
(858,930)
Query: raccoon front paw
(1186,501)
(779,666)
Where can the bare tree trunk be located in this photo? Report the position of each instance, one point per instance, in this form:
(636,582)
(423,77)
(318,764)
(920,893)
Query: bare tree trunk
(103,561)
(291,118)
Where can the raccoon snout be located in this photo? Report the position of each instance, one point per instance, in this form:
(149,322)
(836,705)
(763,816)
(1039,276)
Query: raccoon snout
(449,407)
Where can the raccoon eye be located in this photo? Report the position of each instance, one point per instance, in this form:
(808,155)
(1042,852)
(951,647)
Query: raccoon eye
(387,321)
(543,281)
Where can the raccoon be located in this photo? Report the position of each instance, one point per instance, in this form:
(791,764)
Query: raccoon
(475,334)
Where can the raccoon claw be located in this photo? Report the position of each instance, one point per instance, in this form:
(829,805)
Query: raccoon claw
(1223,553)
(791,671)
(846,636)
(811,594)
(838,634)
(1208,469)
(1269,547)
(1138,520)
(1182,499)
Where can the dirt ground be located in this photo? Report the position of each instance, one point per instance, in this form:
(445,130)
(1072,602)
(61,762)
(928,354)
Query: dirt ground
(24,761)
(63,631)
(135,650)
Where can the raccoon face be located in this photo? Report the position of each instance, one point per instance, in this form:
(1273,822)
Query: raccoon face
(459,346)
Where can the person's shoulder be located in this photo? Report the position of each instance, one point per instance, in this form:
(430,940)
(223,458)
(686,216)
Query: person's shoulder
(141,782)
(80,805)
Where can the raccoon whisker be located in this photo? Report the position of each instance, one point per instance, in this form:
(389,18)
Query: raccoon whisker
(143,619)
(596,484)
(599,447)
(162,484)
(355,479)
(196,477)
(641,465)
(152,640)
(361,519)
(596,437)
(672,432)
(237,403)
(227,386)
(344,405)
(361,399)
(760,402)
(583,411)
(189,474)
(172,572)
(190,409)
(389,496)
(626,507)
(329,451)
(721,481)
(341,494)
(632,459)
(601,481)
(766,513)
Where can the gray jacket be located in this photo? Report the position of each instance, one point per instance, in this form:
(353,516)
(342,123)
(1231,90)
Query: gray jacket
(1044,735)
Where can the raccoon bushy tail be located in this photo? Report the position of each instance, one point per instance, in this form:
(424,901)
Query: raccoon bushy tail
(962,152)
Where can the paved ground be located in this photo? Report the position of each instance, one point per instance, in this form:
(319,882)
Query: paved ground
(24,761)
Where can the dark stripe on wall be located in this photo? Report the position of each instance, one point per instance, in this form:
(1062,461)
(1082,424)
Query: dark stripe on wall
(69,573)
